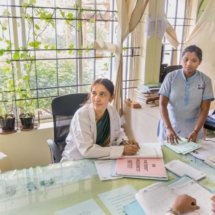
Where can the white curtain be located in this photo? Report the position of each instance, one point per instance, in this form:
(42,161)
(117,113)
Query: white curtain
(129,15)
(203,36)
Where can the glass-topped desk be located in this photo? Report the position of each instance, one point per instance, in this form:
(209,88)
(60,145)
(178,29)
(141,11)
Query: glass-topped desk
(52,189)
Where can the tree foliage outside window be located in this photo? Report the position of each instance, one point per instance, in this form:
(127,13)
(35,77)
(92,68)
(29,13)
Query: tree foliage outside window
(46,49)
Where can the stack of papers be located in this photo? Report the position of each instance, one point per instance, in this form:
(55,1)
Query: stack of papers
(210,161)
(183,147)
(207,149)
(157,198)
(182,169)
(206,153)
(148,163)
(148,168)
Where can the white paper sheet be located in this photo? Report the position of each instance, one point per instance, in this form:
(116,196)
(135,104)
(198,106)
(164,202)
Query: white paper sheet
(157,198)
(207,149)
(148,150)
(116,199)
(89,207)
(2,155)
(183,147)
(105,169)
(181,169)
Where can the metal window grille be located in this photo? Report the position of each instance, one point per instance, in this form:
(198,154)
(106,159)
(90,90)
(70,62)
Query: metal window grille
(46,46)
(176,14)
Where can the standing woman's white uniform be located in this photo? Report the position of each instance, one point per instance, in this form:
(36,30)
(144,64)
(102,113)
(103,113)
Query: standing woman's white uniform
(95,130)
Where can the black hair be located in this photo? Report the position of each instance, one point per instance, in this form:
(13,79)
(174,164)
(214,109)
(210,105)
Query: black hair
(193,48)
(108,84)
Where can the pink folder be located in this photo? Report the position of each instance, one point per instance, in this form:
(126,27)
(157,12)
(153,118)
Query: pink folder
(141,167)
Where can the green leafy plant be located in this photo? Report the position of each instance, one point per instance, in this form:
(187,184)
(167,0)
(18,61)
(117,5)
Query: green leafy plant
(7,117)
(25,100)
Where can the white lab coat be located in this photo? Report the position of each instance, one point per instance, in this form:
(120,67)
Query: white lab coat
(81,140)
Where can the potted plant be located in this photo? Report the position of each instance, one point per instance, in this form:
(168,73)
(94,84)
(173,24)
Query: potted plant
(25,102)
(7,117)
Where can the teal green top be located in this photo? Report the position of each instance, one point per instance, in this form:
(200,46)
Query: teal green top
(103,130)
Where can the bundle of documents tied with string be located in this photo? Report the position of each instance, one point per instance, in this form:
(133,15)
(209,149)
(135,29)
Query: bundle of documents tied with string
(148,163)
(183,146)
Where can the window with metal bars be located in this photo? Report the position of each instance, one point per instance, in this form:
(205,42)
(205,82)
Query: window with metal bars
(178,15)
(46,50)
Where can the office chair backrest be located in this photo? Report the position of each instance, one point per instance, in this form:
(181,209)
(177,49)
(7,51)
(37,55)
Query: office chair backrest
(210,122)
(63,109)
(167,70)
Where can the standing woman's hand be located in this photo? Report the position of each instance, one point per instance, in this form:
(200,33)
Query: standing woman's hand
(193,136)
(172,137)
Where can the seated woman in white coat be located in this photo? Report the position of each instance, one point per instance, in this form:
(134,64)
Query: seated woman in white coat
(95,130)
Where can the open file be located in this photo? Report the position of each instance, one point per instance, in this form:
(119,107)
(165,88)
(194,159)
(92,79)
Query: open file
(157,198)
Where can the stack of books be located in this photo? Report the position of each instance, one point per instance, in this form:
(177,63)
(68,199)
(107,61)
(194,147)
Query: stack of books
(147,93)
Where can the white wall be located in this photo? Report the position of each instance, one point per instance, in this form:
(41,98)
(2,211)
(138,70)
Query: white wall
(25,149)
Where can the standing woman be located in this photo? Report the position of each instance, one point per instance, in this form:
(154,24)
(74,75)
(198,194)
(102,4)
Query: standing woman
(185,98)
(95,130)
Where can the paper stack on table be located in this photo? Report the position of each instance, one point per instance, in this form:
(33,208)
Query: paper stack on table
(147,164)
(183,147)
(183,169)
(210,161)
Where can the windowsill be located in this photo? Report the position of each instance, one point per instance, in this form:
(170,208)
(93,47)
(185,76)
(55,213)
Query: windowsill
(46,125)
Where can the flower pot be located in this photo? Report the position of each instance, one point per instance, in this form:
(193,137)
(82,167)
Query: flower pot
(7,123)
(27,121)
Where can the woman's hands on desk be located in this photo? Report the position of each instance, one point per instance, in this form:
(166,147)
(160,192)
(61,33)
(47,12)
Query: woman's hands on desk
(130,147)
(172,137)
(183,204)
(193,136)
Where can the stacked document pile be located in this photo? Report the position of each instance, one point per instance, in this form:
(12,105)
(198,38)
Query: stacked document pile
(157,198)
(183,146)
(206,153)
(183,169)
(148,163)
(210,160)
(147,93)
